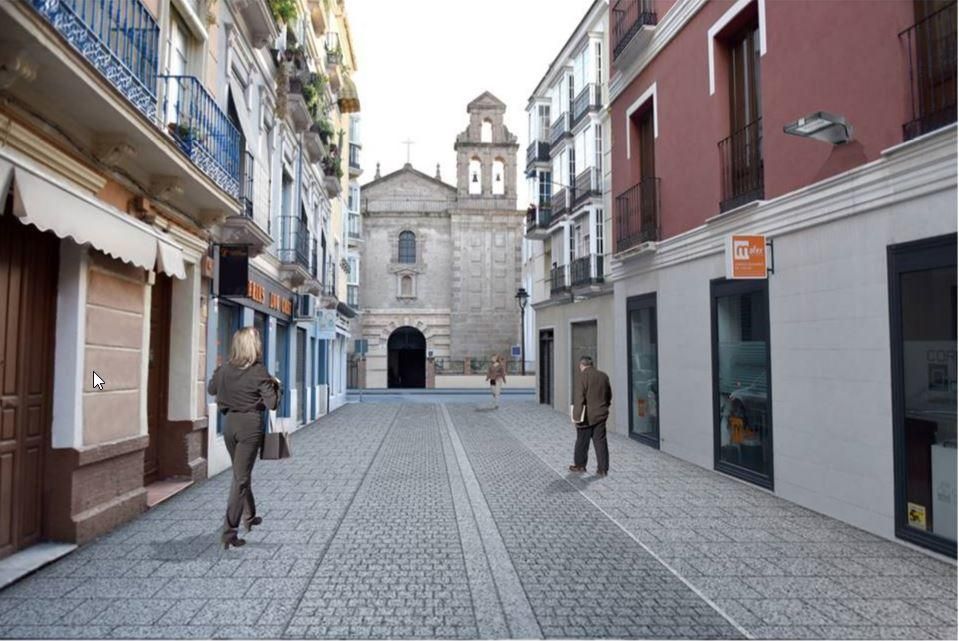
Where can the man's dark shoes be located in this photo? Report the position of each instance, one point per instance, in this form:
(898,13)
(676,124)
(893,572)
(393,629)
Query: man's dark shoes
(601,473)
(577,468)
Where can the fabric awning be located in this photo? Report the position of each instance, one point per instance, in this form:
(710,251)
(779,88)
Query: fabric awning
(49,206)
(349,99)
(170,260)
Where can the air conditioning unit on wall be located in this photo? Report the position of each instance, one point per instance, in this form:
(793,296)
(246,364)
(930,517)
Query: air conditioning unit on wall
(305,306)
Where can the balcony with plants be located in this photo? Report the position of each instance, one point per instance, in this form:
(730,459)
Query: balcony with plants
(332,165)
(317,138)
(202,130)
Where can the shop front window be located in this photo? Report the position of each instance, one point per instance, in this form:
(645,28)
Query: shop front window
(923,291)
(643,369)
(280,369)
(743,417)
(227,323)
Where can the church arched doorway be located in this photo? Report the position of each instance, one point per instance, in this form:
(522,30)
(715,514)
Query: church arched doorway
(406,358)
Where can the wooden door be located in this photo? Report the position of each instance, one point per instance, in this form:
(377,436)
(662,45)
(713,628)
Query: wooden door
(158,374)
(28,296)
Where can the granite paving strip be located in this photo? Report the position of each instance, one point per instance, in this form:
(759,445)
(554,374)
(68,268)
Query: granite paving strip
(502,608)
(164,575)
(804,566)
(395,567)
(584,576)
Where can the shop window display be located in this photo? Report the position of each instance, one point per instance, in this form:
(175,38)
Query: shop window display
(644,371)
(928,309)
(742,380)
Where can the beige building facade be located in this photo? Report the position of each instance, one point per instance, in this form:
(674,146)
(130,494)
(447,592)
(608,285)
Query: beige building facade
(440,264)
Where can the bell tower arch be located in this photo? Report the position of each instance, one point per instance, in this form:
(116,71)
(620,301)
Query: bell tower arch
(486,155)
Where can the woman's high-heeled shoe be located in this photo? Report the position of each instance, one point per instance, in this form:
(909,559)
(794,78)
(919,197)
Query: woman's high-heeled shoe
(249,523)
(231,539)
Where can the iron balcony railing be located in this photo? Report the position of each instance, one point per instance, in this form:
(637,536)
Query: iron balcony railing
(538,151)
(246,186)
(629,16)
(295,242)
(586,270)
(741,160)
(588,183)
(637,214)
(539,217)
(557,280)
(559,129)
(589,99)
(119,37)
(354,156)
(202,129)
(334,53)
(559,203)
(931,47)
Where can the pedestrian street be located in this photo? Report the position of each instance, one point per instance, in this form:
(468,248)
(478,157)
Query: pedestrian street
(450,520)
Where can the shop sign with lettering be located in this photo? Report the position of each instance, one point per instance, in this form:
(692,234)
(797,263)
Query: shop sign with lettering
(267,296)
(746,257)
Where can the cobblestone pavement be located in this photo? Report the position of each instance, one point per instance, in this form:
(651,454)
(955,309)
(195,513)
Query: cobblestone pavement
(419,520)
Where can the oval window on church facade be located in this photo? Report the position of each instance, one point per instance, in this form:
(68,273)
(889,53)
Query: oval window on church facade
(407,248)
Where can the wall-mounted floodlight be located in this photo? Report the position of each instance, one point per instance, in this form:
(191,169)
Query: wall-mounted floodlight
(821,126)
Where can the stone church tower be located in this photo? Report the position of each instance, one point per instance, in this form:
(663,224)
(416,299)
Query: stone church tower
(440,265)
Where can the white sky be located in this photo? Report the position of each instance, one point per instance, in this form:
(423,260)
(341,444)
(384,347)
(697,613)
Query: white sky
(421,61)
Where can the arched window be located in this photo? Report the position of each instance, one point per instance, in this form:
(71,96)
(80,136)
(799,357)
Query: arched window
(486,131)
(407,249)
(499,177)
(476,176)
(406,286)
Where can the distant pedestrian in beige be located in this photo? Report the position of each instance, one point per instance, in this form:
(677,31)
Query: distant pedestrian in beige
(496,376)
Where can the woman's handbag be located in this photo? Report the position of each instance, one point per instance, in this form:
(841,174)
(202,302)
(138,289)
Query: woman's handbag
(276,445)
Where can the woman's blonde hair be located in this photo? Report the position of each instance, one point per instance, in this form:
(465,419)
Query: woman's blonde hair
(247,348)
(494,358)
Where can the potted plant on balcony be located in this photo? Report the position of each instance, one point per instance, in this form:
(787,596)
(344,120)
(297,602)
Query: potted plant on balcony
(185,133)
(331,163)
(323,127)
(284,11)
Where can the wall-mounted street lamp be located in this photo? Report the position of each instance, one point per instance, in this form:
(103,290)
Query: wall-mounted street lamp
(821,126)
(521,299)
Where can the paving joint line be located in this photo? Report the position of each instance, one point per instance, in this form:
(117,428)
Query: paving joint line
(675,573)
(470,540)
(517,610)
(339,523)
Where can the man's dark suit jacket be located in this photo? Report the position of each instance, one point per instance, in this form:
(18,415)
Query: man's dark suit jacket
(592,390)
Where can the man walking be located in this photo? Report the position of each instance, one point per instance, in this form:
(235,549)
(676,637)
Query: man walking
(591,398)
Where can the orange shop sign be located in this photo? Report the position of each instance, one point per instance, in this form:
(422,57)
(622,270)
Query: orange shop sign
(746,256)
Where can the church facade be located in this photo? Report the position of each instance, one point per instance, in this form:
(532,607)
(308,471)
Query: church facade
(441,264)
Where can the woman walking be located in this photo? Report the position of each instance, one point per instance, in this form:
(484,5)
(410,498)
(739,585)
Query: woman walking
(496,375)
(243,389)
